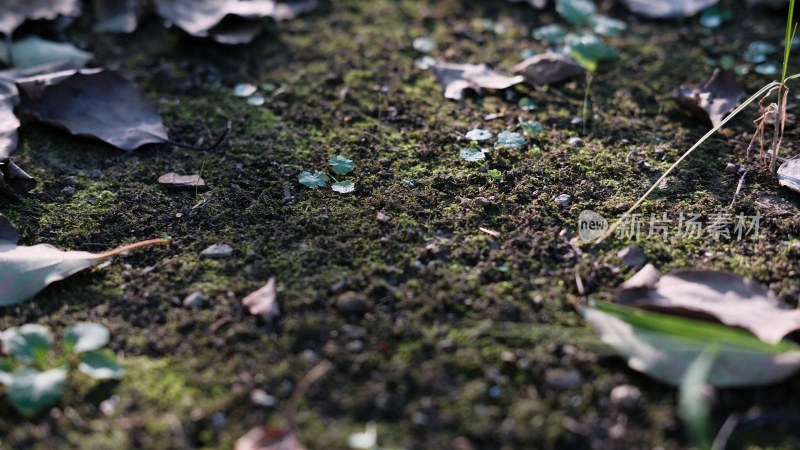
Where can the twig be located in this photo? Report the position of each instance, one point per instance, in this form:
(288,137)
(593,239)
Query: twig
(738,188)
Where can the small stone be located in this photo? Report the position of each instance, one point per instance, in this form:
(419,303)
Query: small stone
(731,168)
(508,357)
(563,380)
(68,191)
(351,303)
(71,180)
(632,255)
(108,405)
(625,396)
(194,300)
(563,200)
(575,141)
(217,251)
(382,218)
(261,398)
(355,346)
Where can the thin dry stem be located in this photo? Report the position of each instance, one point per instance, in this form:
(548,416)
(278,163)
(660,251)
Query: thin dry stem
(134,246)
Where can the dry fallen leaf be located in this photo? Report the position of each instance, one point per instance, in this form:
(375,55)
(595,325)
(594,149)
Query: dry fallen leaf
(456,78)
(15,12)
(265,438)
(14,182)
(713,99)
(716,296)
(548,68)
(24,271)
(667,9)
(263,302)
(176,181)
(789,174)
(95,103)
(116,16)
(8,121)
(8,232)
(227,21)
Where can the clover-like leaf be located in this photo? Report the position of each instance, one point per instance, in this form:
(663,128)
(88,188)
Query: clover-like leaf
(27,343)
(532,128)
(101,365)
(510,140)
(576,12)
(478,134)
(85,337)
(344,187)
(589,50)
(31,391)
(340,165)
(313,180)
(472,154)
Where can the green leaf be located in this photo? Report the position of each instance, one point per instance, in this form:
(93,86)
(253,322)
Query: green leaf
(510,140)
(340,165)
(478,134)
(589,50)
(532,128)
(494,174)
(27,343)
(313,180)
(607,26)
(344,187)
(85,337)
(576,12)
(694,404)
(101,365)
(549,33)
(31,391)
(472,154)
(663,346)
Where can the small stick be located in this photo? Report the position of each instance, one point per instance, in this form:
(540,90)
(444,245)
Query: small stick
(127,248)
(738,188)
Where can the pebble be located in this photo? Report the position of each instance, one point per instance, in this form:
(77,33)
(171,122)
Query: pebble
(108,405)
(575,141)
(194,300)
(217,251)
(562,380)
(351,303)
(632,255)
(69,191)
(71,180)
(382,218)
(261,398)
(625,396)
(563,200)
(731,168)
(355,346)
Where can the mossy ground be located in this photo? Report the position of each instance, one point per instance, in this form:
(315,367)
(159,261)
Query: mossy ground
(460,326)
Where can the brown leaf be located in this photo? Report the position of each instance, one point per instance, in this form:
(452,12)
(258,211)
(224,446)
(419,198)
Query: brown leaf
(8,233)
(713,99)
(116,16)
(15,12)
(226,21)
(265,438)
(456,78)
(667,9)
(14,182)
(789,174)
(264,301)
(94,103)
(716,296)
(548,68)
(176,181)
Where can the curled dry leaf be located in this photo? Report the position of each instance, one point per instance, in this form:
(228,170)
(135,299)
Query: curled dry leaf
(94,103)
(8,121)
(264,302)
(456,78)
(266,438)
(15,12)
(8,232)
(116,16)
(713,99)
(24,271)
(176,181)
(717,296)
(226,21)
(14,182)
(667,9)
(548,68)
(789,174)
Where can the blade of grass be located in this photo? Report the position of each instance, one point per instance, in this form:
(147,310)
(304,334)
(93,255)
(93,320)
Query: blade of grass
(694,404)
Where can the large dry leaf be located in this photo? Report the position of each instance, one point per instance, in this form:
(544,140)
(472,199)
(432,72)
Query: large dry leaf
(24,271)
(664,346)
(789,174)
(8,121)
(228,21)
(264,438)
(717,296)
(14,182)
(456,78)
(713,99)
(94,103)
(667,9)
(548,68)
(116,16)
(15,12)
(8,232)
(263,302)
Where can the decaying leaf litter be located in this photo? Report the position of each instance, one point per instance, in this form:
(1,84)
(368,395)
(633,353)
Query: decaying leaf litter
(440,242)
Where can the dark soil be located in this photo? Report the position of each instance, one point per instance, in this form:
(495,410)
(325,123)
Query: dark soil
(444,335)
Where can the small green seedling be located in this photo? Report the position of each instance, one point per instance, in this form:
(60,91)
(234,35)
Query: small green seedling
(510,140)
(494,174)
(340,165)
(34,377)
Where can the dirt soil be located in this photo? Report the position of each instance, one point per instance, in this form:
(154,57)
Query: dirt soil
(444,335)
